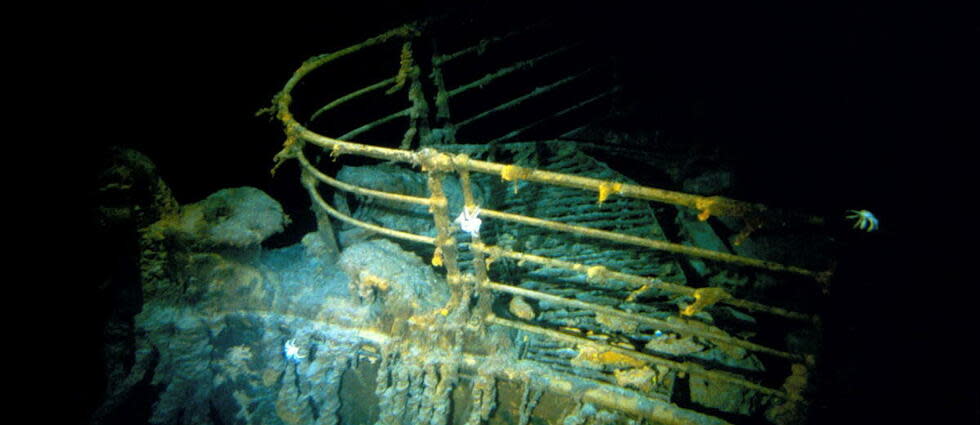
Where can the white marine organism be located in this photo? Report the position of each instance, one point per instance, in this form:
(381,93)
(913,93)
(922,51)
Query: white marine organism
(291,350)
(864,220)
(469,220)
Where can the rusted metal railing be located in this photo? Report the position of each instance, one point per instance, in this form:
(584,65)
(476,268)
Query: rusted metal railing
(436,164)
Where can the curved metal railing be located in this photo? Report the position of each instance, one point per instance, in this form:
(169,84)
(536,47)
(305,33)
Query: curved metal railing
(478,285)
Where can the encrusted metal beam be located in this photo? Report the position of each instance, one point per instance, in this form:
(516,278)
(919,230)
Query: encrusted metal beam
(378,122)
(590,391)
(352,95)
(636,281)
(317,61)
(685,367)
(656,323)
(648,243)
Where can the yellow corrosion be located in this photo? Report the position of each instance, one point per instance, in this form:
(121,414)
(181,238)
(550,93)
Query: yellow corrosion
(437,257)
(643,379)
(703,298)
(513,173)
(596,336)
(372,281)
(592,358)
(285,153)
(704,205)
(433,160)
(520,308)
(596,274)
(617,359)
(638,292)
(721,206)
(608,188)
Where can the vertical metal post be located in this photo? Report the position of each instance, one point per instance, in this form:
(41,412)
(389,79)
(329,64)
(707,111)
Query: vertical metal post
(479,261)
(445,242)
(409,72)
(444,127)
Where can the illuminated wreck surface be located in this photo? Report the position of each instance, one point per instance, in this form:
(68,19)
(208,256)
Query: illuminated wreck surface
(302,334)
(486,243)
